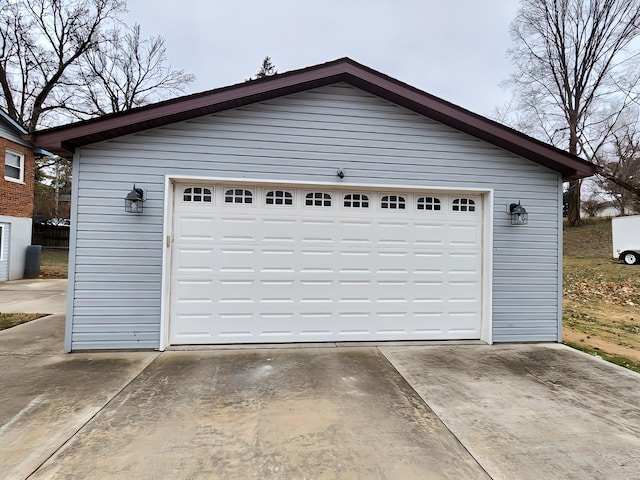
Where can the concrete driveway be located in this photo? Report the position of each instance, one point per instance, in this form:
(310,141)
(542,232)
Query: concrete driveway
(332,412)
(33,296)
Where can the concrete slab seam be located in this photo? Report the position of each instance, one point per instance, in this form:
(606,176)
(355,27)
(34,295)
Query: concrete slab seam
(464,447)
(115,395)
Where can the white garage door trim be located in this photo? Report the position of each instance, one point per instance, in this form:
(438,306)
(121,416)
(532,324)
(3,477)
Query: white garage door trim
(487,234)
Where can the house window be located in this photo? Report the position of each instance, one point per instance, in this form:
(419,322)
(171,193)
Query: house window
(13,166)
(393,202)
(238,195)
(279,197)
(356,200)
(317,199)
(463,205)
(197,194)
(428,203)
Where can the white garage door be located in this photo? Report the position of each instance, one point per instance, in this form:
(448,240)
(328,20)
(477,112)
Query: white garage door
(255,264)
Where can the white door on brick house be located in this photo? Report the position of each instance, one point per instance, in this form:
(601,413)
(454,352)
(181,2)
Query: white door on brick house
(262,264)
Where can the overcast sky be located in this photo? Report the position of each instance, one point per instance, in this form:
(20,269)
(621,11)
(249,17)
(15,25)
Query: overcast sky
(454,49)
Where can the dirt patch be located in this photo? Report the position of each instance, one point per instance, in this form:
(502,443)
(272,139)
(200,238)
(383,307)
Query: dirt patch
(611,328)
(596,343)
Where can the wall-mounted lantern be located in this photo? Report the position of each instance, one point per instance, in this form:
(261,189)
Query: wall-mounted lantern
(133,202)
(340,173)
(519,215)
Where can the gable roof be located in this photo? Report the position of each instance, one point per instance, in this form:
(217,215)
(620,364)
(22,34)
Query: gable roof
(21,134)
(63,140)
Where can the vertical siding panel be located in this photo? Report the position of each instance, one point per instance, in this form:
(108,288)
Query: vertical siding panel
(304,137)
(5,239)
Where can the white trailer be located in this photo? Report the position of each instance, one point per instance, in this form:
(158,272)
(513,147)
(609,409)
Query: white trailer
(625,232)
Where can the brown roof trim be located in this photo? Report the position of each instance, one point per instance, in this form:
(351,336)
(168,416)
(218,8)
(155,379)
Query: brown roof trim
(63,140)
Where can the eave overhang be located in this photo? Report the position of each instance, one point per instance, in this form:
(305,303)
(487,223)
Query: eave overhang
(64,140)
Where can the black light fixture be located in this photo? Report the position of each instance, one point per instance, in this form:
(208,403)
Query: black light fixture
(340,173)
(133,202)
(519,215)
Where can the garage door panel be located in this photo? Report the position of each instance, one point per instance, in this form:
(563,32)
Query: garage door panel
(235,259)
(236,229)
(195,227)
(265,273)
(358,326)
(193,323)
(323,294)
(463,242)
(463,263)
(194,259)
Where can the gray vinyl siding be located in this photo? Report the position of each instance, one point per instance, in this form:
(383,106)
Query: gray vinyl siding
(5,246)
(8,131)
(301,137)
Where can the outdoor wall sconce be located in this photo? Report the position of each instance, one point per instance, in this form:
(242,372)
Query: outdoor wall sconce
(340,173)
(133,202)
(519,215)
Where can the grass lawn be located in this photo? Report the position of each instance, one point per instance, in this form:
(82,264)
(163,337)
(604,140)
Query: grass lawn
(54,263)
(601,296)
(8,320)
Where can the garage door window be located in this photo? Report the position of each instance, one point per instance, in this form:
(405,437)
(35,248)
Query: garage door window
(197,194)
(279,197)
(238,195)
(393,202)
(356,200)
(317,199)
(428,203)
(463,205)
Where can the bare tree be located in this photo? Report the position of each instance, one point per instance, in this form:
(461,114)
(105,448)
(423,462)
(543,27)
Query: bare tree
(41,41)
(574,73)
(620,169)
(64,60)
(593,205)
(75,59)
(127,72)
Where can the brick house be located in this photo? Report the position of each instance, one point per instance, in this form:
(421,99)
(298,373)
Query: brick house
(17,163)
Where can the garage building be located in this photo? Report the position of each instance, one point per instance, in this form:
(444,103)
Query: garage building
(327,204)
